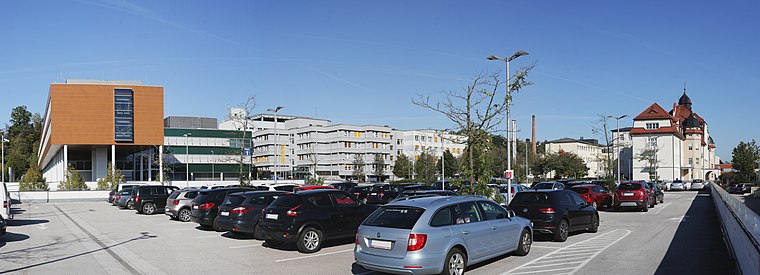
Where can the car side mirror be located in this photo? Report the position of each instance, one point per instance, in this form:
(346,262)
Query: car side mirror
(511,214)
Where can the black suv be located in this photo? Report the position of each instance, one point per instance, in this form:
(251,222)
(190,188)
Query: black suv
(148,199)
(309,218)
(345,186)
(205,206)
(555,212)
(239,213)
(385,193)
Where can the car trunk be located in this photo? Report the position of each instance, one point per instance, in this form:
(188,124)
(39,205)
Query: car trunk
(283,209)
(533,205)
(231,207)
(384,241)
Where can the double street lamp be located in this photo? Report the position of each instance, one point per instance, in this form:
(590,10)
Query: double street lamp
(617,142)
(187,159)
(508,103)
(276,141)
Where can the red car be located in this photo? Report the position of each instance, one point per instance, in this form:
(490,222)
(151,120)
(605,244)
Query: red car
(312,187)
(594,194)
(634,193)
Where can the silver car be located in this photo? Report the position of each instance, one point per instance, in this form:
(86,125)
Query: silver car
(697,184)
(178,204)
(433,235)
(677,185)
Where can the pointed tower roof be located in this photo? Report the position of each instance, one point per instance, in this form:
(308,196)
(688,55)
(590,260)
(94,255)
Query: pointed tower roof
(685,100)
(691,122)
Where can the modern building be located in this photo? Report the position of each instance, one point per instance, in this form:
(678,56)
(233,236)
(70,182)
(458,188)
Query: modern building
(590,151)
(91,123)
(413,142)
(673,145)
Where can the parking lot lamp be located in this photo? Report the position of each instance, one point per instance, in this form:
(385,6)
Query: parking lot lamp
(187,159)
(276,141)
(2,144)
(617,143)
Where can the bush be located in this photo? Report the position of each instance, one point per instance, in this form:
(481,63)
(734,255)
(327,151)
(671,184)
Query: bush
(73,181)
(33,180)
(111,180)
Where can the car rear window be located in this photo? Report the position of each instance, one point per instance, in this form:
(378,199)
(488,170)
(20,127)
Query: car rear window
(395,217)
(191,194)
(233,200)
(629,186)
(531,198)
(174,194)
(288,188)
(580,190)
(379,188)
(544,185)
(287,201)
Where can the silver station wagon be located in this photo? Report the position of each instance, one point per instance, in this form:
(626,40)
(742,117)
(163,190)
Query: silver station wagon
(434,235)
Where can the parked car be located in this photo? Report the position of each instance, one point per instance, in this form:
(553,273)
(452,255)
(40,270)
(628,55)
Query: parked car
(439,235)
(150,199)
(360,192)
(178,204)
(697,184)
(657,193)
(312,187)
(747,188)
(736,189)
(205,206)
(548,186)
(112,196)
(677,185)
(515,189)
(3,225)
(424,193)
(5,199)
(594,194)
(124,198)
(556,212)
(343,186)
(569,185)
(384,193)
(240,212)
(122,186)
(289,187)
(309,218)
(634,193)
(450,185)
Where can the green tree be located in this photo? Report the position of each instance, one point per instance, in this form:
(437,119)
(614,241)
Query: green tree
(33,180)
(450,164)
(569,165)
(358,165)
(744,158)
(402,167)
(23,137)
(425,168)
(73,181)
(379,164)
(111,180)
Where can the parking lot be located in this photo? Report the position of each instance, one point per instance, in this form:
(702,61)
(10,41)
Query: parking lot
(680,235)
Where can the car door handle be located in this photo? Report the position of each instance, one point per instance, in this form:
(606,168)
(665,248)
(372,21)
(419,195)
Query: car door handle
(466,232)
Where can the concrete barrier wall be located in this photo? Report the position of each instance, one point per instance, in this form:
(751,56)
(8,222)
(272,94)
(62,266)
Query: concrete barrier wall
(741,227)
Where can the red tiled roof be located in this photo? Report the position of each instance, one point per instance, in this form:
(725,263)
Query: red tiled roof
(654,111)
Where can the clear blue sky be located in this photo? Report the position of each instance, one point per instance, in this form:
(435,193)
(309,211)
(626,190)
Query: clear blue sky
(361,63)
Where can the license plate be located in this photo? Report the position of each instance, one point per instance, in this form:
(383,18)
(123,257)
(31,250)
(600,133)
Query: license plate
(380,244)
(225,213)
(195,207)
(627,194)
(373,194)
(627,204)
(271,216)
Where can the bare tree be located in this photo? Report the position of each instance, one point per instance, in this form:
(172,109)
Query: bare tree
(313,159)
(649,156)
(241,118)
(477,110)
(601,128)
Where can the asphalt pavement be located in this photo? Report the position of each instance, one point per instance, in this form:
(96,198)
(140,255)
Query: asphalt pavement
(680,236)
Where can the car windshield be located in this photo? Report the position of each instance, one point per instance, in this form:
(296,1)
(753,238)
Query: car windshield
(233,200)
(379,188)
(394,217)
(580,190)
(288,188)
(126,192)
(629,186)
(528,198)
(287,201)
(544,185)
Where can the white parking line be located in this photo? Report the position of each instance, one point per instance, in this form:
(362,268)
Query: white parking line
(661,208)
(312,256)
(244,246)
(591,248)
(548,247)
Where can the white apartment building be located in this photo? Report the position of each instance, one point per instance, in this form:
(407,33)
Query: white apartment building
(589,150)
(679,140)
(413,142)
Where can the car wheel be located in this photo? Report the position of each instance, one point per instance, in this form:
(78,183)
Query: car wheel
(594,224)
(645,207)
(256,232)
(455,262)
(216,227)
(662,199)
(562,231)
(652,203)
(184,215)
(310,240)
(525,241)
(593,204)
(148,209)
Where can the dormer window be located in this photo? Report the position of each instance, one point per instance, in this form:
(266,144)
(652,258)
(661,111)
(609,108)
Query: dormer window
(653,126)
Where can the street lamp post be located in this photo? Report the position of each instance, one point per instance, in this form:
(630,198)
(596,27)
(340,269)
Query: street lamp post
(2,144)
(617,143)
(213,158)
(276,141)
(508,98)
(187,159)
(443,164)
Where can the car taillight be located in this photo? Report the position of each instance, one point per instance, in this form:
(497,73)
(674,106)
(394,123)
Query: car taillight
(118,197)
(137,198)
(240,210)
(206,206)
(357,239)
(547,210)
(382,194)
(416,242)
(292,211)
(6,204)
(357,194)
(175,202)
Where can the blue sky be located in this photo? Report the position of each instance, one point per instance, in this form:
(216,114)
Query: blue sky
(362,62)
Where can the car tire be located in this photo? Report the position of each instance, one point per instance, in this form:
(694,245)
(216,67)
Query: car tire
(183,215)
(653,203)
(662,200)
(257,233)
(562,231)
(455,263)
(594,205)
(310,240)
(149,209)
(594,224)
(645,207)
(523,247)
(214,226)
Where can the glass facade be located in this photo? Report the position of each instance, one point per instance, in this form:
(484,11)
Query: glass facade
(123,115)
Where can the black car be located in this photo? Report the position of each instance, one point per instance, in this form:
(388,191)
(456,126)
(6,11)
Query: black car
(309,218)
(205,206)
(555,212)
(149,199)
(424,193)
(659,196)
(111,196)
(239,213)
(384,193)
(548,186)
(360,192)
(3,225)
(569,185)
(344,186)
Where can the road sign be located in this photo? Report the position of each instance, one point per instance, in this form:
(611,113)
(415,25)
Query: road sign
(247,151)
(509,174)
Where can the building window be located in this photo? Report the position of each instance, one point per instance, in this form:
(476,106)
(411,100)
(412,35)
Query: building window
(652,142)
(653,126)
(123,115)
(697,161)
(691,147)
(691,161)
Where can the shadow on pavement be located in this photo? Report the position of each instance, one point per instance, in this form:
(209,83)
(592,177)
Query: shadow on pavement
(698,246)
(292,246)
(238,236)
(17,222)
(10,237)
